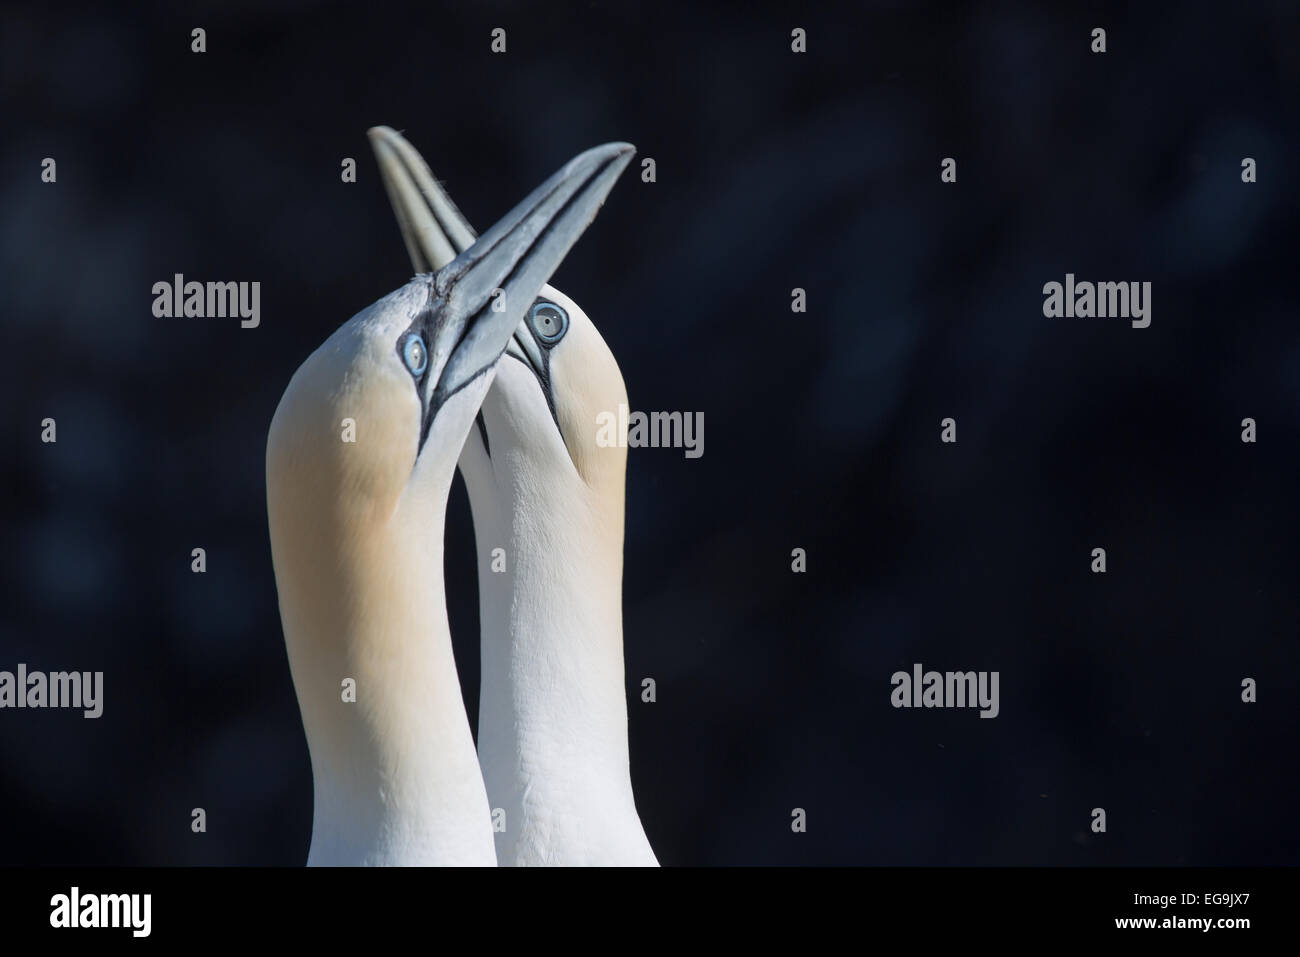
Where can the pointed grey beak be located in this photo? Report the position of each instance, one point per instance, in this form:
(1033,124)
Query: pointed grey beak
(481,295)
(432,227)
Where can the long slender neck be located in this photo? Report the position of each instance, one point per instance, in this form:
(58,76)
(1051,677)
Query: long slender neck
(553,706)
(364,612)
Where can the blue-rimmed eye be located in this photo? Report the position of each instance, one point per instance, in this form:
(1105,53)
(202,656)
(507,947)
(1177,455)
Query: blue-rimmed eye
(415,355)
(548,321)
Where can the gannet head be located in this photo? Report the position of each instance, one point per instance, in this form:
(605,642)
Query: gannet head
(546,407)
(360,457)
(388,399)
(551,403)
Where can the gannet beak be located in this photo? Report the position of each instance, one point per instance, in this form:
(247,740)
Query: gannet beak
(480,296)
(433,228)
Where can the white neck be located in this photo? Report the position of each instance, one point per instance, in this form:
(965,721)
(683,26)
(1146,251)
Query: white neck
(395,772)
(553,708)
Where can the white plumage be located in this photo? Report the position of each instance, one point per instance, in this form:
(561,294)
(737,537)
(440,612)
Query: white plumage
(360,458)
(552,706)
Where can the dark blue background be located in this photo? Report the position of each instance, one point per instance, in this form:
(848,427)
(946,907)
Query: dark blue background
(821,171)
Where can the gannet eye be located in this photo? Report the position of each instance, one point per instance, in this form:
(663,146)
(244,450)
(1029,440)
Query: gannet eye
(548,321)
(415,355)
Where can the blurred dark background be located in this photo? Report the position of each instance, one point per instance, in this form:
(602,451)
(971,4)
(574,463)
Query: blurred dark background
(775,170)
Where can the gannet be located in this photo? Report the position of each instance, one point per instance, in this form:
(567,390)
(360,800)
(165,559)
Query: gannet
(552,703)
(357,533)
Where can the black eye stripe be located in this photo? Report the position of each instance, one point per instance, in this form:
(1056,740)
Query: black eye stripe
(419,329)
